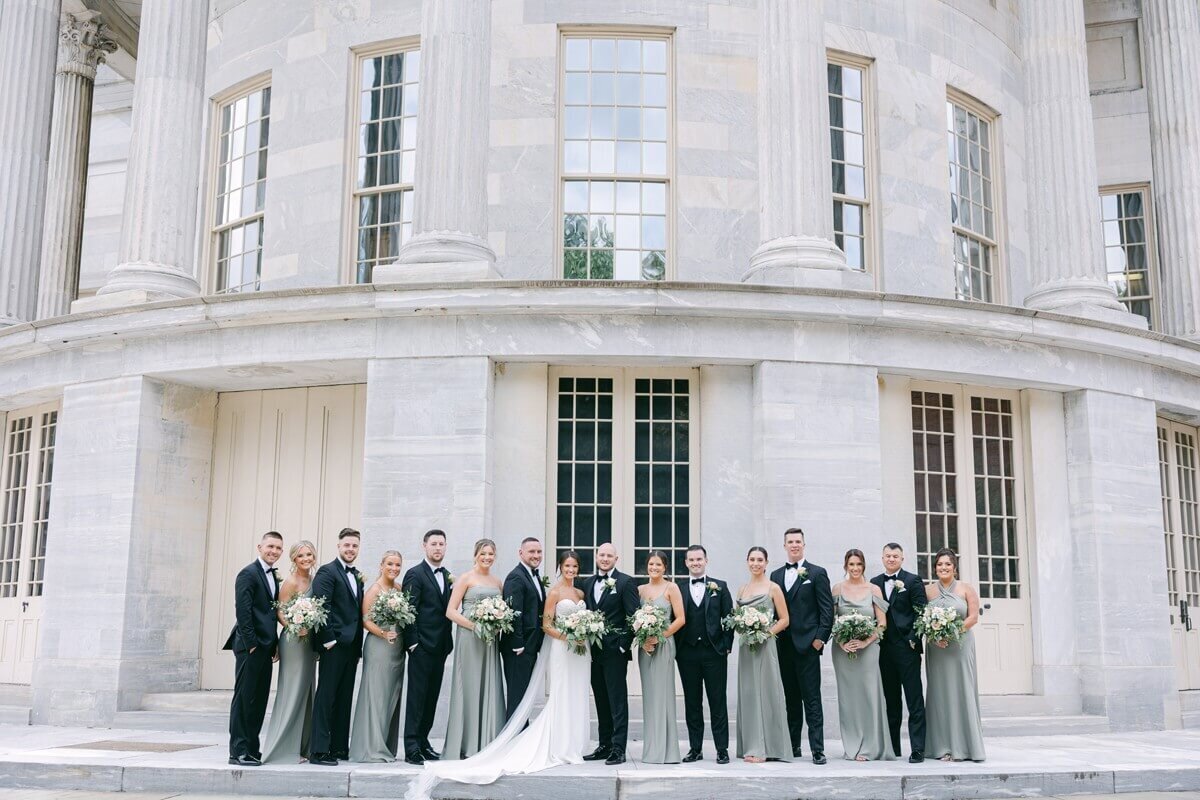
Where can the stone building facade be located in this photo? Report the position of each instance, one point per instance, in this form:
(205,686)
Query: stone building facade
(650,272)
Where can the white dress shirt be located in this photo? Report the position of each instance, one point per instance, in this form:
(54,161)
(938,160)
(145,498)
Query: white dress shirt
(350,579)
(599,588)
(698,589)
(790,575)
(440,577)
(887,585)
(536,580)
(266,568)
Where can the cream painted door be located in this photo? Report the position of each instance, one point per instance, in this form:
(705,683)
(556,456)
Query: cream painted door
(1177,458)
(969,495)
(25,480)
(288,460)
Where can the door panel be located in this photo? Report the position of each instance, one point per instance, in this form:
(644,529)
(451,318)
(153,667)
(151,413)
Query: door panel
(1177,461)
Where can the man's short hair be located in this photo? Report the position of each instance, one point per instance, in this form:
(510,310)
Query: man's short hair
(893,546)
(346,533)
(790,531)
(272,535)
(699,547)
(429,534)
(529,539)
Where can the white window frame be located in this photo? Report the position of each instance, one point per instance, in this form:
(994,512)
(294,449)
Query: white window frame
(358,55)
(210,248)
(31,488)
(1151,244)
(871,237)
(1174,533)
(667,35)
(623,492)
(996,243)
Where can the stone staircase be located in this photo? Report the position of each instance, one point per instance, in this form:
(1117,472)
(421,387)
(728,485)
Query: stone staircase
(1189,702)
(15,702)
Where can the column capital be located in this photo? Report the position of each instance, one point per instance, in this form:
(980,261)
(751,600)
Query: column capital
(83,44)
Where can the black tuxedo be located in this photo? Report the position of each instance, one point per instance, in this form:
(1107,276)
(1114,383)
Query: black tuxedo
(339,663)
(524,595)
(702,650)
(900,658)
(810,612)
(610,663)
(430,640)
(256,629)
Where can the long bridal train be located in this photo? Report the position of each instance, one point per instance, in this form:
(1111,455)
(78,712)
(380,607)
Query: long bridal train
(557,736)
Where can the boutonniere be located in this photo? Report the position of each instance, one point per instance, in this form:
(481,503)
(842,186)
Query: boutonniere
(358,576)
(610,583)
(802,574)
(713,588)
(449,579)
(545,581)
(898,585)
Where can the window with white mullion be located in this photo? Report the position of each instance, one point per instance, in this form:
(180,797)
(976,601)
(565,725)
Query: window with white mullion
(847,130)
(935,476)
(1170,523)
(614,163)
(245,125)
(1127,253)
(1189,516)
(995,497)
(662,465)
(41,516)
(12,526)
(385,158)
(972,209)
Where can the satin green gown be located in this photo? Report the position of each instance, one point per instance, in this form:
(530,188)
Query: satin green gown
(762,728)
(660,743)
(952,718)
(477,688)
(375,734)
(862,712)
(291,715)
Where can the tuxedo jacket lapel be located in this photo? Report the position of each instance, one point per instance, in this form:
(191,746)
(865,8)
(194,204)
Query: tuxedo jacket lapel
(262,577)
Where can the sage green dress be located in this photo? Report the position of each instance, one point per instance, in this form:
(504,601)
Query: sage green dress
(661,733)
(291,715)
(952,691)
(762,728)
(375,734)
(477,688)
(862,712)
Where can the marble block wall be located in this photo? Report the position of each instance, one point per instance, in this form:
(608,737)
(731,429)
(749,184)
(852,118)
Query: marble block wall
(124,576)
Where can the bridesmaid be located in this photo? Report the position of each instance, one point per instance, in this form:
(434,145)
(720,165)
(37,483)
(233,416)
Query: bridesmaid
(762,728)
(291,716)
(376,730)
(477,688)
(862,711)
(656,663)
(953,728)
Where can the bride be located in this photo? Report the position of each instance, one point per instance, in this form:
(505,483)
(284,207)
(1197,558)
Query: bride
(556,736)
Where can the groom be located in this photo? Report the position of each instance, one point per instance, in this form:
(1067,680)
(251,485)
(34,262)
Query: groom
(614,595)
(524,592)
(339,645)
(900,650)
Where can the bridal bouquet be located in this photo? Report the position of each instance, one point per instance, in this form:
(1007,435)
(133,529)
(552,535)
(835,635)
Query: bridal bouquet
(939,624)
(751,624)
(492,617)
(648,622)
(303,614)
(851,627)
(393,610)
(582,628)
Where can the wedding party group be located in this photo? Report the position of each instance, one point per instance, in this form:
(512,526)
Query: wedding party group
(526,651)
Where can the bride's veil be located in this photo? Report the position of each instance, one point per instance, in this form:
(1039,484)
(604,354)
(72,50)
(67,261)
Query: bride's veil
(488,764)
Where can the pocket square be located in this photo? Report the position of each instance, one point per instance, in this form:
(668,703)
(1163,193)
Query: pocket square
(809,581)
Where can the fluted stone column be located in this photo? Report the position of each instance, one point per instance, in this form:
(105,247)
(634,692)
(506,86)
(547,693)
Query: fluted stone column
(1066,265)
(158,231)
(449,240)
(1171,37)
(83,43)
(28,48)
(794,162)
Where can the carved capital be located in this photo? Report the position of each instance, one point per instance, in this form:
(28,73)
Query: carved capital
(83,43)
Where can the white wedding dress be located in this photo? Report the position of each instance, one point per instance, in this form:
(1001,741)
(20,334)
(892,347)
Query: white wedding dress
(558,735)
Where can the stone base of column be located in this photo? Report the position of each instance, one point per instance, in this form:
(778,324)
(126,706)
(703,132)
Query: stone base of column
(1081,297)
(804,261)
(440,256)
(139,282)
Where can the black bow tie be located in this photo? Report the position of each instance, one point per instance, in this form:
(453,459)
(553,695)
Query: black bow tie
(534,572)
(352,570)
(792,566)
(697,580)
(887,577)
(603,576)
(274,572)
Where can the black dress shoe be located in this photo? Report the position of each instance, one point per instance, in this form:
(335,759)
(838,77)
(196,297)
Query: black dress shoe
(692,755)
(341,755)
(917,757)
(599,754)
(797,752)
(322,760)
(414,759)
(722,756)
(429,754)
(245,761)
(818,758)
(615,757)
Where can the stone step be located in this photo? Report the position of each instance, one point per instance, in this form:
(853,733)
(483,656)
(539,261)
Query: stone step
(14,715)
(1189,702)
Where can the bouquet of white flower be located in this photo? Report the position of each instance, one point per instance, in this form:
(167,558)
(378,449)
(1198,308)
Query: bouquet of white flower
(492,617)
(393,610)
(648,622)
(752,625)
(853,627)
(303,613)
(939,624)
(582,628)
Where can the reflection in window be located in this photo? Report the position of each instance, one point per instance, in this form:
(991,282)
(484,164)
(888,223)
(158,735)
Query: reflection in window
(241,190)
(1126,250)
(615,96)
(847,131)
(972,211)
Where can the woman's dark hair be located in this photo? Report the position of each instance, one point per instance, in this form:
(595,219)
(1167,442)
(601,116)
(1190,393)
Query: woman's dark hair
(948,553)
(759,549)
(660,555)
(565,554)
(850,554)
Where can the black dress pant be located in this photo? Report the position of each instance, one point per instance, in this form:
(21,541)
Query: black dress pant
(703,670)
(251,687)
(610,688)
(801,674)
(335,694)
(518,669)
(900,668)
(425,670)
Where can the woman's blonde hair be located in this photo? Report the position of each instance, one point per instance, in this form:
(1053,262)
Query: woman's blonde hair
(482,543)
(296,548)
